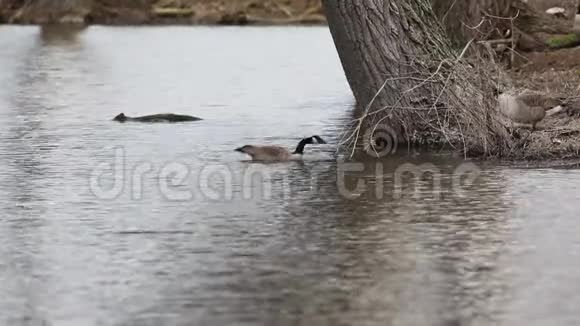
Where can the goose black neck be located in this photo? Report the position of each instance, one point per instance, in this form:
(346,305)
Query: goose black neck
(302,144)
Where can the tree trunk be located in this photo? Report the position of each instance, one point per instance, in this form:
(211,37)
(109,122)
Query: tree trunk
(380,40)
(402,70)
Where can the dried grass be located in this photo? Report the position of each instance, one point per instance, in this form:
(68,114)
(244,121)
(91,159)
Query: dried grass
(558,136)
(260,11)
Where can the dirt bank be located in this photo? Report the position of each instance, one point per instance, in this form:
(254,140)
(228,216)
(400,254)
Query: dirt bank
(558,73)
(119,12)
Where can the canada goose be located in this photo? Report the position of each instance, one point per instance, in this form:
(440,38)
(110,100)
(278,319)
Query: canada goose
(528,108)
(273,153)
(164,117)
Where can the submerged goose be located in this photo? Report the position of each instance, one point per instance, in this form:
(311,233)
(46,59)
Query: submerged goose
(164,117)
(528,108)
(276,153)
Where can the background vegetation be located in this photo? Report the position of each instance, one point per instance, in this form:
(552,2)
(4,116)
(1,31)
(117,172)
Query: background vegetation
(162,11)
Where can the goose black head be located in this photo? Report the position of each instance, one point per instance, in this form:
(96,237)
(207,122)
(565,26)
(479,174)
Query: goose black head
(121,117)
(246,149)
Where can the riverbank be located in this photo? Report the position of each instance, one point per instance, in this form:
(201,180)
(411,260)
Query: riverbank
(154,12)
(554,72)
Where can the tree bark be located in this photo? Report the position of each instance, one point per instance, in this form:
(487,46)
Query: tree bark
(387,40)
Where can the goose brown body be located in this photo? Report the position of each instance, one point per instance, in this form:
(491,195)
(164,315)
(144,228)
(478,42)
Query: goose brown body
(267,153)
(526,108)
(273,153)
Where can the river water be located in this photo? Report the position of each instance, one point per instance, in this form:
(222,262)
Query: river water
(105,223)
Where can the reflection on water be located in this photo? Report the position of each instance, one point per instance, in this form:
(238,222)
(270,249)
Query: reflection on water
(59,34)
(324,241)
